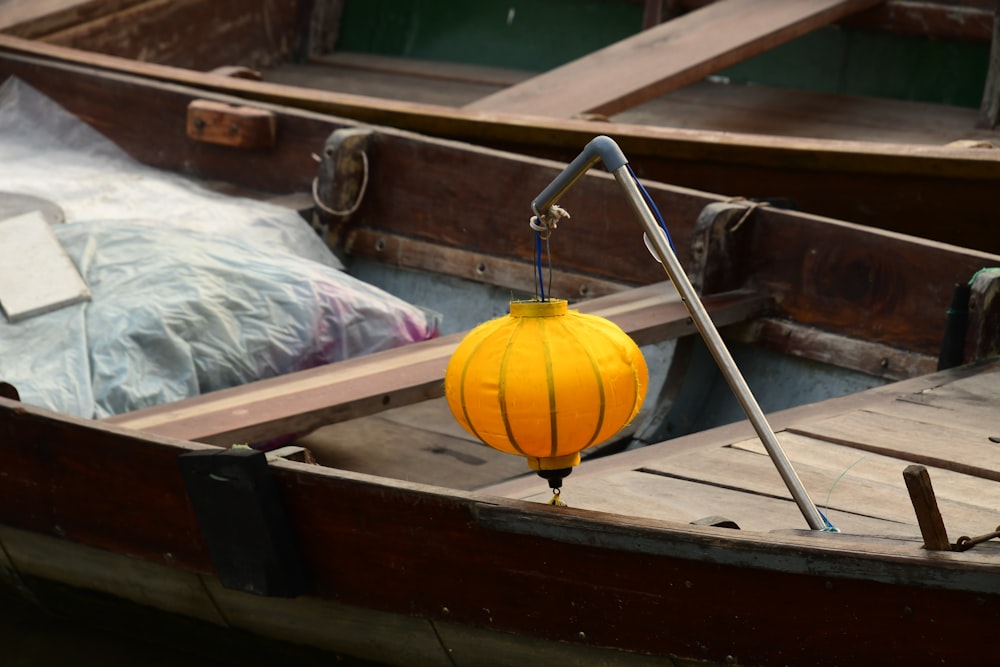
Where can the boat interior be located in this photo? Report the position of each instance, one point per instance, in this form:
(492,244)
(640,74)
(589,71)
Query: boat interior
(690,458)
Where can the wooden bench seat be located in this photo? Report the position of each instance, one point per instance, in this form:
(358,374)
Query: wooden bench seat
(667,57)
(298,403)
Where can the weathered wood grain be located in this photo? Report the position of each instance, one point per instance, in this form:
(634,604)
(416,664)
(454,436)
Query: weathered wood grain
(911,440)
(671,55)
(883,179)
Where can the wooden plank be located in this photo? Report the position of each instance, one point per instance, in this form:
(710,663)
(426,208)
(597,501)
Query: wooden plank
(300,402)
(918,482)
(35,18)
(185,33)
(967,20)
(871,358)
(786,112)
(881,177)
(968,405)
(402,251)
(414,450)
(644,494)
(917,442)
(783,420)
(669,56)
(845,479)
(421,69)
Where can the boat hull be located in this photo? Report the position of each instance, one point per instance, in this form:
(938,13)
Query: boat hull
(398,572)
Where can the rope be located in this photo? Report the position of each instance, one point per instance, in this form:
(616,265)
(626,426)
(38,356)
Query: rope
(545,224)
(357,202)
(751,207)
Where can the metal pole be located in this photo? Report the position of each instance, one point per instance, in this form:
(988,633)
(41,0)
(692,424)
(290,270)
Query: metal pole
(702,320)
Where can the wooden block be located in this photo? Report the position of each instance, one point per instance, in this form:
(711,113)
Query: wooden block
(918,483)
(231,125)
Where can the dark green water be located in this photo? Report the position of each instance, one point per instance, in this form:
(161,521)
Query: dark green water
(29,638)
(32,638)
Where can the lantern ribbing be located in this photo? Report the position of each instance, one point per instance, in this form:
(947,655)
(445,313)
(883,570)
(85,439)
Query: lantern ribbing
(545,383)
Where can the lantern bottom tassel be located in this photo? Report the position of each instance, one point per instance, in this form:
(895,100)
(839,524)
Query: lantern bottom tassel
(554,469)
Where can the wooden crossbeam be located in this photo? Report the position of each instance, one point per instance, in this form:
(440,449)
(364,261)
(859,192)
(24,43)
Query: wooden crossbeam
(672,55)
(301,402)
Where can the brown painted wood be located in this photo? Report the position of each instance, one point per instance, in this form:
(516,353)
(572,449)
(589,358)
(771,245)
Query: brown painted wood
(875,359)
(437,452)
(942,19)
(966,451)
(955,184)
(231,125)
(518,275)
(301,402)
(843,479)
(842,278)
(189,33)
(918,483)
(949,385)
(61,462)
(36,18)
(398,547)
(669,56)
(956,19)
(866,289)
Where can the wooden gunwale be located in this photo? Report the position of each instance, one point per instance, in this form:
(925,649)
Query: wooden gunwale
(900,187)
(787,254)
(525,130)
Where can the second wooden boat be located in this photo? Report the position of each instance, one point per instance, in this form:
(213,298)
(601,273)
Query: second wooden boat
(919,167)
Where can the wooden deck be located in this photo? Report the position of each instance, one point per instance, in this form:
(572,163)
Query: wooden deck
(708,105)
(849,452)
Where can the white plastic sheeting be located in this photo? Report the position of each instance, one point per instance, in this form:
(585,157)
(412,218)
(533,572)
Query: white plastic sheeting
(192,291)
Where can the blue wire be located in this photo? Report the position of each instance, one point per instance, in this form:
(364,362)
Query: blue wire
(538,264)
(652,205)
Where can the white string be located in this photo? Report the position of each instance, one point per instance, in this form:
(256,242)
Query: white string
(357,202)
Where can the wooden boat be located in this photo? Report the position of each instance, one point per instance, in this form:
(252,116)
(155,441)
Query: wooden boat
(410,543)
(907,166)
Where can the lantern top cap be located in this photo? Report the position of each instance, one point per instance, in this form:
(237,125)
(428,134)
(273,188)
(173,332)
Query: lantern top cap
(533,308)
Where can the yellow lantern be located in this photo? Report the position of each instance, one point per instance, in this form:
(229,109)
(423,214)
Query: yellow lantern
(545,382)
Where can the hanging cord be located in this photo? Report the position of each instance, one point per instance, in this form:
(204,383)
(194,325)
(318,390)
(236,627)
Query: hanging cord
(539,280)
(357,202)
(652,205)
(543,226)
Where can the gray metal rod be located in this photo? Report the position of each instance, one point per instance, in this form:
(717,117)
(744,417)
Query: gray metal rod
(702,320)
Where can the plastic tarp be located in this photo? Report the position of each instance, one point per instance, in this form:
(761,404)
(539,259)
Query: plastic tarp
(192,291)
